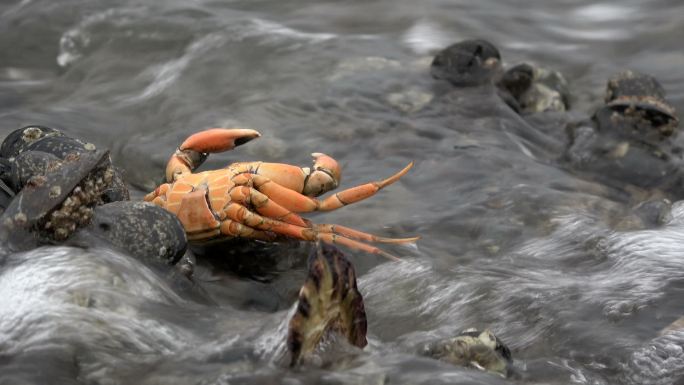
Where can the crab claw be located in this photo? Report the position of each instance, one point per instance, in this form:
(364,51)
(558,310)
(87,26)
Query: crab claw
(324,177)
(193,152)
(218,139)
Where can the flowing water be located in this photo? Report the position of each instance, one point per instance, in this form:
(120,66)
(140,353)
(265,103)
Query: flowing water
(511,240)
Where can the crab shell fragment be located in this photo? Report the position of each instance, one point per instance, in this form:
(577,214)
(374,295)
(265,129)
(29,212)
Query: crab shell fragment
(329,302)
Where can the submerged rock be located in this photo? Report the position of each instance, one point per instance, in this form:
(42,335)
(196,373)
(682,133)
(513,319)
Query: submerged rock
(535,89)
(472,348)
(630,139)
(467,63)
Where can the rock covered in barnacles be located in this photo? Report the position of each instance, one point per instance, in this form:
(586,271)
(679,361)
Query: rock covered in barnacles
(29,138)
(46,140)
(636,108)
(630,139)
(141,229)
(6,192)
(329,302)
(473,348)
(535,89)
(50,207)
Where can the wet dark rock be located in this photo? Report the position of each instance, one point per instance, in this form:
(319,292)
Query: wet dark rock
(6,196)
(630,139)
(256,260)
(60,363)
(22,139)
(617,160)
(467,63)
(654,212)
(141,229)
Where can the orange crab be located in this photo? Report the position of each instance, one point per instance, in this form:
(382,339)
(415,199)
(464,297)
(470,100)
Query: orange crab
(259,200)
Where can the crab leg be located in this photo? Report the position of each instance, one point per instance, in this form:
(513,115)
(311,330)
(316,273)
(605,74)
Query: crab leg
(348,232)
(268,208)
(236,229)
(240,214)
(265,206)
(193,152)
(322,177)
(300,203)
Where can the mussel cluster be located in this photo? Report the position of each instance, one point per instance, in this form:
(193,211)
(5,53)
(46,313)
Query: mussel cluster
(53,186)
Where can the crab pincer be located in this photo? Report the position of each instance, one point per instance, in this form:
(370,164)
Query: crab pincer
(194,150)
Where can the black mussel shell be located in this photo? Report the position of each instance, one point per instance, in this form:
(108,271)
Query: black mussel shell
(42,195)
(141,229)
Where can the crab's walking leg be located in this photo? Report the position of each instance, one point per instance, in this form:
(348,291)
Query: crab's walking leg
(300,203)
(270,209)
(265,206)
(348,232)
(235,229)
(242,215)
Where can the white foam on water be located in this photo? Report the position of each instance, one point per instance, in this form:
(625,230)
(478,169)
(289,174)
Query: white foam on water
(592,34)
(260,27)
(426,36)
(58,295)
(604,12)
(658,362)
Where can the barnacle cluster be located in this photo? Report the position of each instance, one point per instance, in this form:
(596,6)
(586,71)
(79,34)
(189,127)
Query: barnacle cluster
(77,209)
